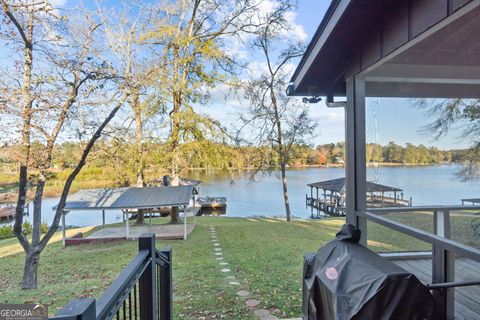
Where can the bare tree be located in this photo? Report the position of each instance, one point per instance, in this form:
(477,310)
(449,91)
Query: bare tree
(278,120)
(124,32)
(61,72)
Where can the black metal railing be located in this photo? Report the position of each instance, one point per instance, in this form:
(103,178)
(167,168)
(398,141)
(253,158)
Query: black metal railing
(142,291)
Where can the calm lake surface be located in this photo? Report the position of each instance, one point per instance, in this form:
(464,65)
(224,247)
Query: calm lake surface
(262,196)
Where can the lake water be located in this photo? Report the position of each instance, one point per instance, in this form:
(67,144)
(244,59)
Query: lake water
(262,196)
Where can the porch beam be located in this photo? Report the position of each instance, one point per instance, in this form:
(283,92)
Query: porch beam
(355,154)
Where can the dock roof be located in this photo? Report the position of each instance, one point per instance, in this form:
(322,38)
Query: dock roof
(338,185)
(129,198)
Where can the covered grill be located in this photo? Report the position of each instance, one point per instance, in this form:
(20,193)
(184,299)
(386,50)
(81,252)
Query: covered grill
(345,280)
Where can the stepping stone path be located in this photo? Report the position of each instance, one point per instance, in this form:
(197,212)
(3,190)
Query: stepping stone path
(243,293)
(251,303)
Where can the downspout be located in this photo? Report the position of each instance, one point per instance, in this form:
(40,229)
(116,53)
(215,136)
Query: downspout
(330,103)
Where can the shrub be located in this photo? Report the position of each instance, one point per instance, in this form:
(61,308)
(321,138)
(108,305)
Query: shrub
(27,228)
(43,227)
(6,232)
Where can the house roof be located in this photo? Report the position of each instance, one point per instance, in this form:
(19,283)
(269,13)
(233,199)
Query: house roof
(129,198)
(338,185)
(400,49)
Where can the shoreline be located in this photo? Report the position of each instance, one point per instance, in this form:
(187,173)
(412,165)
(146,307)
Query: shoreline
(55,190)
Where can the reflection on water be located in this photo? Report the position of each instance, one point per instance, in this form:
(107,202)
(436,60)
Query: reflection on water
(262,194)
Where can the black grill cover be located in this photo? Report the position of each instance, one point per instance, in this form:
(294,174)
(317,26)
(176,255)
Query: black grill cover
(345,280)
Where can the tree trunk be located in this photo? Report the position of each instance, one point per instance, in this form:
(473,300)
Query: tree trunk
(285,192)
(139,151)
(175,137)
(282,153)
(140,217)
(30,269)
(175,216)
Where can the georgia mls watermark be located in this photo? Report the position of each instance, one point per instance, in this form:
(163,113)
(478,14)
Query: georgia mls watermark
(23,311)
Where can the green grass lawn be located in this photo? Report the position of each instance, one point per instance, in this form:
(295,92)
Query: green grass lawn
(265,255)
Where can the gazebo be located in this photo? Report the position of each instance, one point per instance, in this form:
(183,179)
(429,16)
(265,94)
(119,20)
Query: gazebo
(399,49)
(128,199)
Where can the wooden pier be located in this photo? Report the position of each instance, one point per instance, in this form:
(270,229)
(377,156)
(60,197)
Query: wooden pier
(7,210)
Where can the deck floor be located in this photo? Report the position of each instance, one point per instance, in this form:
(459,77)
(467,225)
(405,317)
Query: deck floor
(467,299)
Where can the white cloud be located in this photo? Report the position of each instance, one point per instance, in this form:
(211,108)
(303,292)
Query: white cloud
(296,30)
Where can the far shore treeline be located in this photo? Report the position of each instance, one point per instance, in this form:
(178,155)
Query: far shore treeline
(112,162)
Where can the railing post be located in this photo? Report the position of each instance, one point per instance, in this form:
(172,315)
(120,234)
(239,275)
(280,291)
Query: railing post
(443,268)
(165,283)
(77,309)
(147,281)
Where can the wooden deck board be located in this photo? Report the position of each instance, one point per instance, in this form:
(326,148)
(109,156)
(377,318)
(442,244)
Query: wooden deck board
(467,299)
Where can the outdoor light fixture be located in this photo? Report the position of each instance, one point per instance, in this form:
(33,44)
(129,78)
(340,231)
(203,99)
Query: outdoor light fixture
(314,99)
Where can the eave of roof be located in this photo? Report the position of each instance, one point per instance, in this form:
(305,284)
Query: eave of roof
(326,18)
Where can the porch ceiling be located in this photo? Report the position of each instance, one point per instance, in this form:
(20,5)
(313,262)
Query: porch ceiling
(444,64)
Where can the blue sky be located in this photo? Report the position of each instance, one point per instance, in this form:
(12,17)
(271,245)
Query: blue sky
(387,119)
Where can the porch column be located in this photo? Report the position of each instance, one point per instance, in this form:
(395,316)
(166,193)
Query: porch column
(64,232)
(355,154)
(184,222)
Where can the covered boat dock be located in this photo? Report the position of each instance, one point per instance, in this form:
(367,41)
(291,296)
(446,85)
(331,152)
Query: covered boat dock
(129,200)
(330,196)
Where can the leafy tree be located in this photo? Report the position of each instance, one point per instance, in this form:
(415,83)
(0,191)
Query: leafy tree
(191,38)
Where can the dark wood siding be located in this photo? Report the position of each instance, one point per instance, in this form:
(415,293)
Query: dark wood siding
(457,4)
(395,34)
(426,13)
(401,21)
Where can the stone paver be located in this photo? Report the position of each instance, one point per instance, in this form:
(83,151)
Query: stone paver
(233,283)
(261,313)
(243,293)
(223,263)
(219,258)
(218,253)
(269,317)
(231,277)
(252,303)
(225,270)
(217,249)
